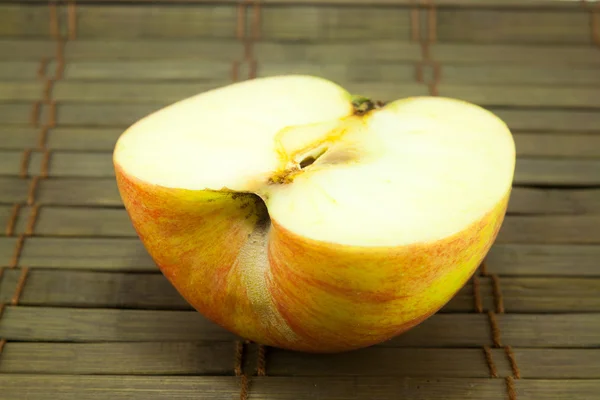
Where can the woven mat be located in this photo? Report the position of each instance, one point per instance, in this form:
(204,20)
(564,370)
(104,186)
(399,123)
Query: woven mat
(87,315)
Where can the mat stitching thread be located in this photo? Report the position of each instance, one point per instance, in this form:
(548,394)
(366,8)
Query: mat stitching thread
(594,10)
(246,378)
(499,306)
(20,285)
(477,295)
(14,262)
(42,69)
(513,362)
(60,59)
(595,17)
(425,43)
(54,26)
(254,36)
(261,362)
(12,220)
(239,356)
(24,169)
(478,303)
(496,340)
(25,165)
(241,35)
(72,19)
(239,369)
(35,113)
(490,361)
(48,89)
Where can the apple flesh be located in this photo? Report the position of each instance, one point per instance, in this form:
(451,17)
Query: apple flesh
(297,216)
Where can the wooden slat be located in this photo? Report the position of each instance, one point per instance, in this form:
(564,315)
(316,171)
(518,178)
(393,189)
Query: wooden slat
(65,288)
(521,96)
(72,387)
(441,330)
(549,120)
(175,21)
(122,254)
(21,91)
(118,358)
(197,358)
(64,191)
(13,190)
(83,289)
(513,26)
(131,93)
(66,221)
(559,145)
(547,55)
(579,229)
(101,115)
(157,49)
(344,52)
(539,294)
(183,358)
(483,74)
(16,114)
(558,363)
(210,51)
(26,50)
(151,71)
(554,201)
(553,74)
(63,164)
(343,74)
(544,260)
(529,171)
(557,172)
(439,363)
(325,23)
(81,139)
(71,139)
(84,325)
(19,70)
(20,21)
(19,137)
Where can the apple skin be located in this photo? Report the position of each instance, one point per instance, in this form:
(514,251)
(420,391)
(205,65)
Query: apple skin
(301,294)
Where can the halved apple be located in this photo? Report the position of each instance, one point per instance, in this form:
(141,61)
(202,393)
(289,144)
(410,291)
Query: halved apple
(296,215)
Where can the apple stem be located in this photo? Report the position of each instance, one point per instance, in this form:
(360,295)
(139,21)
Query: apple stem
(363,105)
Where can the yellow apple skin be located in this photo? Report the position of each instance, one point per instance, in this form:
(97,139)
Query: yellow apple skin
(292,292)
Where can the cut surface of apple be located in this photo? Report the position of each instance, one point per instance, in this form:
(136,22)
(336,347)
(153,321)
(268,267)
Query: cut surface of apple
(297,215)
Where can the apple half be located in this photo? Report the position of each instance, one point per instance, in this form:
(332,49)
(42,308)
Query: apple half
(299,216)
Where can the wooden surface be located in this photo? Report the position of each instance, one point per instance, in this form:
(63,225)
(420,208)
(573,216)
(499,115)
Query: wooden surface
(85,312)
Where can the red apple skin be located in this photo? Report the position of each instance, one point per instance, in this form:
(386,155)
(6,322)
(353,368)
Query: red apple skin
(289,291)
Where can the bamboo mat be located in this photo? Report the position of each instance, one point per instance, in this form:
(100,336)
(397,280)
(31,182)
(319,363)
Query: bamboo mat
(85,313)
